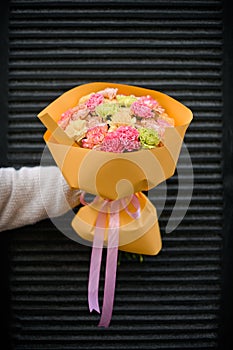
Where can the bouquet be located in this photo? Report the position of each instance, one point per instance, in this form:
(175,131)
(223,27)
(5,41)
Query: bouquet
(115,141)
(112,122)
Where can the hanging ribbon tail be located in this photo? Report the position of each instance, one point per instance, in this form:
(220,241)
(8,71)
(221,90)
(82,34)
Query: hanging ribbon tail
(95,264)
(111,209)
(111,267)
(93,285)
(135,202)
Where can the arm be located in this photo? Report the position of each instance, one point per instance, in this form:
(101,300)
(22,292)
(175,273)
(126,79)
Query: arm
(25,193)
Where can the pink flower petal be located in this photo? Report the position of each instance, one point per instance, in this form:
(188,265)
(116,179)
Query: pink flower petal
(141,110)
(94,101)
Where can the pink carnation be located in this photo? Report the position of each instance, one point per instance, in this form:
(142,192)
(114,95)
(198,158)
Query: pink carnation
(148,101)
(95,136)
(131,145)
(141,110)
(66,116)
(80,112)
(94,101)
(125,138)
(109,93)
(112,145)
(151,103)
(127,133)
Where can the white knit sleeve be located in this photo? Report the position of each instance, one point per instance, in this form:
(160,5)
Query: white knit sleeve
(31,194)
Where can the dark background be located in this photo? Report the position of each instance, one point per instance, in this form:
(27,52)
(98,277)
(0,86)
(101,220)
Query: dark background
(182,298)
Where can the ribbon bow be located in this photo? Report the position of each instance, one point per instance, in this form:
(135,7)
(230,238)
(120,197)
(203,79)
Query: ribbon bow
(111,209)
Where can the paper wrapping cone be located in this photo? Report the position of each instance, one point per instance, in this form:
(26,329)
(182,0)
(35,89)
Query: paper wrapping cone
(141,236)
(110,175)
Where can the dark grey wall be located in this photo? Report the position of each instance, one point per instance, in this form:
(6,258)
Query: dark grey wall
(170,301)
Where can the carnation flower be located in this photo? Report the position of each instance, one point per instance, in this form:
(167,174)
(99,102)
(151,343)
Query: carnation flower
(141,111)
(112,144)
(131,145)
(151,103)
(93,121)
(66,116)
(126,101)
(95,136)
(124,138)
(94,101)
(109,93)
(64,120)
(122,117)
(149,137)
(106,109)
(127,133)
(151,123)
(76,129)
(80,111)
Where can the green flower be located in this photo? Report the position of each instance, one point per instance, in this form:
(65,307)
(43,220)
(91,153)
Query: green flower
(106,109)
(126,101)
(149,137)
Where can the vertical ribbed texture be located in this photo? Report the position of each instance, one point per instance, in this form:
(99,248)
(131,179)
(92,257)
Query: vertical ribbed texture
(169,301)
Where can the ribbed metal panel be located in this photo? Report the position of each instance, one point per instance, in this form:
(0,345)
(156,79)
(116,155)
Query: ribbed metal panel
(170,301)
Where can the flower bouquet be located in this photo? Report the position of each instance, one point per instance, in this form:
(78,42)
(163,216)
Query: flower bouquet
(115,141)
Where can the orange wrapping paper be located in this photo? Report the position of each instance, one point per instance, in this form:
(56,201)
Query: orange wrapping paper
(112,175)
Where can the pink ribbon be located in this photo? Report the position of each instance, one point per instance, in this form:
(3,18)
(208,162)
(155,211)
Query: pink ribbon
(113,208)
